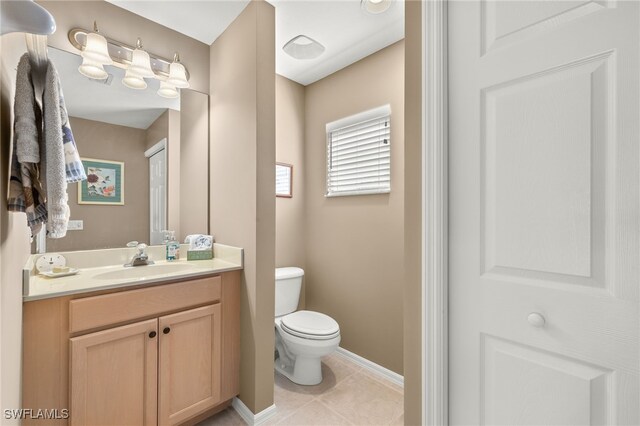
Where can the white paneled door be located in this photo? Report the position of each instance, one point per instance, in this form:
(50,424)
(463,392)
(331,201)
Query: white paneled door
(544,218)
(157,196)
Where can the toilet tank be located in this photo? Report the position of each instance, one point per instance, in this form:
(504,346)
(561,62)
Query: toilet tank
(288,285)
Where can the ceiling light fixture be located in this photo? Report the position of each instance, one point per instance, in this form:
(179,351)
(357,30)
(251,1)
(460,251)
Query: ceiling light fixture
(303,47)
(97,51)
(375,6)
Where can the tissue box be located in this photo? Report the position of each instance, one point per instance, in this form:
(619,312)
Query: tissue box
(199,254)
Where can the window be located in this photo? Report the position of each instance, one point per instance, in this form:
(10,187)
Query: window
(359,154)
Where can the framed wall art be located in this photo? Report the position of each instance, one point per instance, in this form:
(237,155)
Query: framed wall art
(104,184)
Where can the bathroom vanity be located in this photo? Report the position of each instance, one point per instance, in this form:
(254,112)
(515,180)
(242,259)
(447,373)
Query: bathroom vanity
(133,347)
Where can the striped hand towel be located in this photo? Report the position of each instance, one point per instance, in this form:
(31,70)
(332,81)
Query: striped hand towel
(73,165)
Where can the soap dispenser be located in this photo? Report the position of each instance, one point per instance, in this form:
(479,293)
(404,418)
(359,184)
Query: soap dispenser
(172,245)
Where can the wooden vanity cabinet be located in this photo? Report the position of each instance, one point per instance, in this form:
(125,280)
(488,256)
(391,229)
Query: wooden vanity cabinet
(189,363)
(114,376)
(173,361)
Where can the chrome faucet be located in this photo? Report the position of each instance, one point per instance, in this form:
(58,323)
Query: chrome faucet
(141,258)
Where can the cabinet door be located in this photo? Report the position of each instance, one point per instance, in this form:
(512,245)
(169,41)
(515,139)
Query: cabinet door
(189,371)
(114,376)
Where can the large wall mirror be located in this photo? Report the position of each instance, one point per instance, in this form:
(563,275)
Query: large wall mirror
(162,145)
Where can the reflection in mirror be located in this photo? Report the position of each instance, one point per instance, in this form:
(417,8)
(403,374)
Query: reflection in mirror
(113,123)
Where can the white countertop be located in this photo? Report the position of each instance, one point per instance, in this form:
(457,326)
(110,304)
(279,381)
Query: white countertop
(103,269)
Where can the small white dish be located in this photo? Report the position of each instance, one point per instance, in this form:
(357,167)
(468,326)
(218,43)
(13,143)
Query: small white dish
(48,261)
(51,274)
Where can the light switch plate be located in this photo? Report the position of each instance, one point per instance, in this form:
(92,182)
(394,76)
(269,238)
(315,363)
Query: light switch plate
(75,225)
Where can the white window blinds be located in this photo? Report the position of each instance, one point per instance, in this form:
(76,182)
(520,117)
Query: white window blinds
(359,154)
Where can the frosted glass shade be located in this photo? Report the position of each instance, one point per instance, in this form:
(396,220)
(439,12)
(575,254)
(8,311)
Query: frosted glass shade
(303,47)
(167,90)
(177,75)
(92,69)
(375,6)
(133,80)
(141,64)
(96,49)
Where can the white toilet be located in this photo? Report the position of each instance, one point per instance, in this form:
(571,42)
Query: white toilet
(302,337)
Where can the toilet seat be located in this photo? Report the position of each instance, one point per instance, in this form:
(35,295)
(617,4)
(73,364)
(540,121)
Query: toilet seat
(310,325)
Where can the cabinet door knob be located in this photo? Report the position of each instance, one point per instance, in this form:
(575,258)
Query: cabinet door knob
(152,334)
(166,330)
(536,319)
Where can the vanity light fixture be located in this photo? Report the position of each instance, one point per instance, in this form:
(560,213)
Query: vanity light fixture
(167,90)
(375,6)
(139,69)
(141,62)
(177,74)
(303,47)
(97,51)
(92,69)
(96,48)
(95,55)
(133,80)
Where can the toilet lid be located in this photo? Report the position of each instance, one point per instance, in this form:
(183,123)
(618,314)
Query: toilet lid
(309,324)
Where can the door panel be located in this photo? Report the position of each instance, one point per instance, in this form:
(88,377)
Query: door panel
(114,376)
(544,173)
(190,367)
(523,385)
(507,22)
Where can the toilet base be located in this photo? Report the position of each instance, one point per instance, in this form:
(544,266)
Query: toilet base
(304,371)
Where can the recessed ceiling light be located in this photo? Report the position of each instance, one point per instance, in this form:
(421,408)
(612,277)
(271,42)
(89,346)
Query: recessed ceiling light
(375,6)
(303,47)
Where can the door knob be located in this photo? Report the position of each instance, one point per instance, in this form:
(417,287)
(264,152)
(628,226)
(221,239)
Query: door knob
(152,334)
(536,319)
(166,330)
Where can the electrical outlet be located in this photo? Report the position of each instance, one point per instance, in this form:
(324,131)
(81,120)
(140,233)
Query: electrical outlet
(75,225)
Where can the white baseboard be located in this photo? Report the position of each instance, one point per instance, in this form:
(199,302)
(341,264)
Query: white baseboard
(248,416)
(372,367)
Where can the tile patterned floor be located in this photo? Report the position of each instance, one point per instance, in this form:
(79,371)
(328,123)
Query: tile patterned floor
(348,395)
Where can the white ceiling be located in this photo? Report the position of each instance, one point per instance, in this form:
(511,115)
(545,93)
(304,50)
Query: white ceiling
(114,103)
(203,20)
(347,32)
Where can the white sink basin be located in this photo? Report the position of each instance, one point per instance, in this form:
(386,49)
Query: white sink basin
(147,271)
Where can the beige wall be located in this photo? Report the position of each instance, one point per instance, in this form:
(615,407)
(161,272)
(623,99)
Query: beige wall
(355,245)
(157,131)
(14,237)
(194,163)
(173,171)
(109,226)
(290,219)
(242,157)
(124,26)
(413,215)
